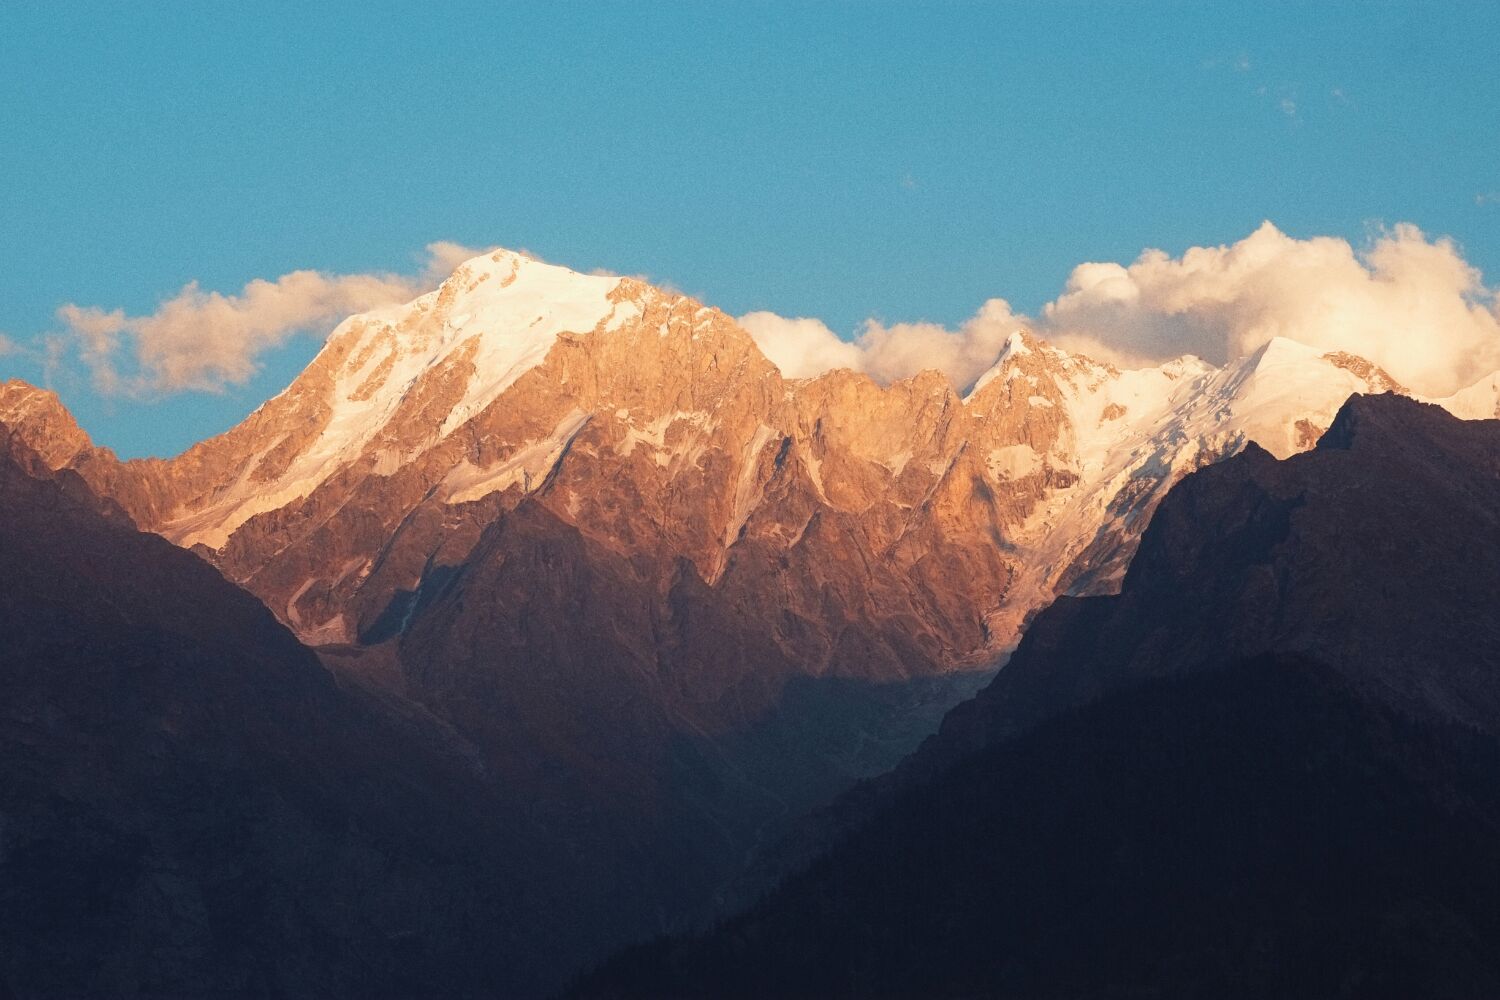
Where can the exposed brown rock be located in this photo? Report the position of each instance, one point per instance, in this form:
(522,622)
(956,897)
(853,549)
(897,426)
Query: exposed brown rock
(628,561)
(1376,376)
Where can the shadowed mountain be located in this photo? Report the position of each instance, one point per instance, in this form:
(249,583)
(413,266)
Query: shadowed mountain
(190,805)
(1269,766)
(670,598)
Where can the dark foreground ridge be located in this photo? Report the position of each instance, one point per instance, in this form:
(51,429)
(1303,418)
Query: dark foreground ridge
(1269,767)
(191,806)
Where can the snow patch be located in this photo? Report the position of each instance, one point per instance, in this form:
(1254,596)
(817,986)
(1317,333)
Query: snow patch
(654,436)
(1014,461)
(747,491)
(1015,347)
(497,316)
(528,466)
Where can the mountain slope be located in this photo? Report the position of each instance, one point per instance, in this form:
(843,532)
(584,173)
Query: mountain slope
(1257,832)
(192,805)
(654,425)
(584,526)
(1267,767)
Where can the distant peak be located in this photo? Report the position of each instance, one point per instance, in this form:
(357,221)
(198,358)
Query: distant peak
(1373,375)
(1379,419)
(501,263)
(1281,349)
(1019,344)
(1015,345)
(18,392)
(39,418)
(1186,366)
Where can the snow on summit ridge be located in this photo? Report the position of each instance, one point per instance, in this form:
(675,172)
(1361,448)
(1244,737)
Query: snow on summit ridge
(654,427)
(487,324)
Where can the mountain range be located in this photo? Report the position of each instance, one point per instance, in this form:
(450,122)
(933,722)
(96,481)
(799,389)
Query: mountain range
(654,426)
(1267,767)
(193,806)
(573,550)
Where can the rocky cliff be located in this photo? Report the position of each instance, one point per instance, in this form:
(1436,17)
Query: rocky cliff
(1268,766)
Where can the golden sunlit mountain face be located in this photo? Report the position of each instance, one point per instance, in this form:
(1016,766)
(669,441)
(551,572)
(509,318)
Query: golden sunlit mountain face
(961,500)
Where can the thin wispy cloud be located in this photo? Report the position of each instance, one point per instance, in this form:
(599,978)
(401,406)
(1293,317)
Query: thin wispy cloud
(1283,96)
(1239,62)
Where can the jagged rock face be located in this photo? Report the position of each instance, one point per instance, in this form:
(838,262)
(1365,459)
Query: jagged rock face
(1267,767)
(41,423)
(1258,556)
(672,599)
(654,426)
(193,806)
(722,530)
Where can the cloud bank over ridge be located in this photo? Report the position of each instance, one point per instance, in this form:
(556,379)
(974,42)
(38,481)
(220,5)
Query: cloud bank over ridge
(805,347)
(1412,305)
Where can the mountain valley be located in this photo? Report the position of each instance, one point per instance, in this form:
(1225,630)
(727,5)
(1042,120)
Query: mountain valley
(574,552)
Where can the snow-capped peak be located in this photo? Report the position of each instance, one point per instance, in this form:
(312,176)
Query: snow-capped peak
(1480,401)
(1015,347)
(490,322)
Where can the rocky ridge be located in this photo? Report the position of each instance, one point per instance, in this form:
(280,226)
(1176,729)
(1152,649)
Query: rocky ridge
(653,425)
(193,805)
(667,598)
(1267,766)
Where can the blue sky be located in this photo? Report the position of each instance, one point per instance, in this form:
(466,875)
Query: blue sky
(826,160)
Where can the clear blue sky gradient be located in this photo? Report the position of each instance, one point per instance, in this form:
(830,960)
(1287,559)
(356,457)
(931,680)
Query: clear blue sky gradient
(819,159)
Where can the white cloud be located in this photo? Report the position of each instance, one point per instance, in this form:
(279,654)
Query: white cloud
(203,340)
(8,346)
(801,348)
(1411,305)
(902,349)
(804,347)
